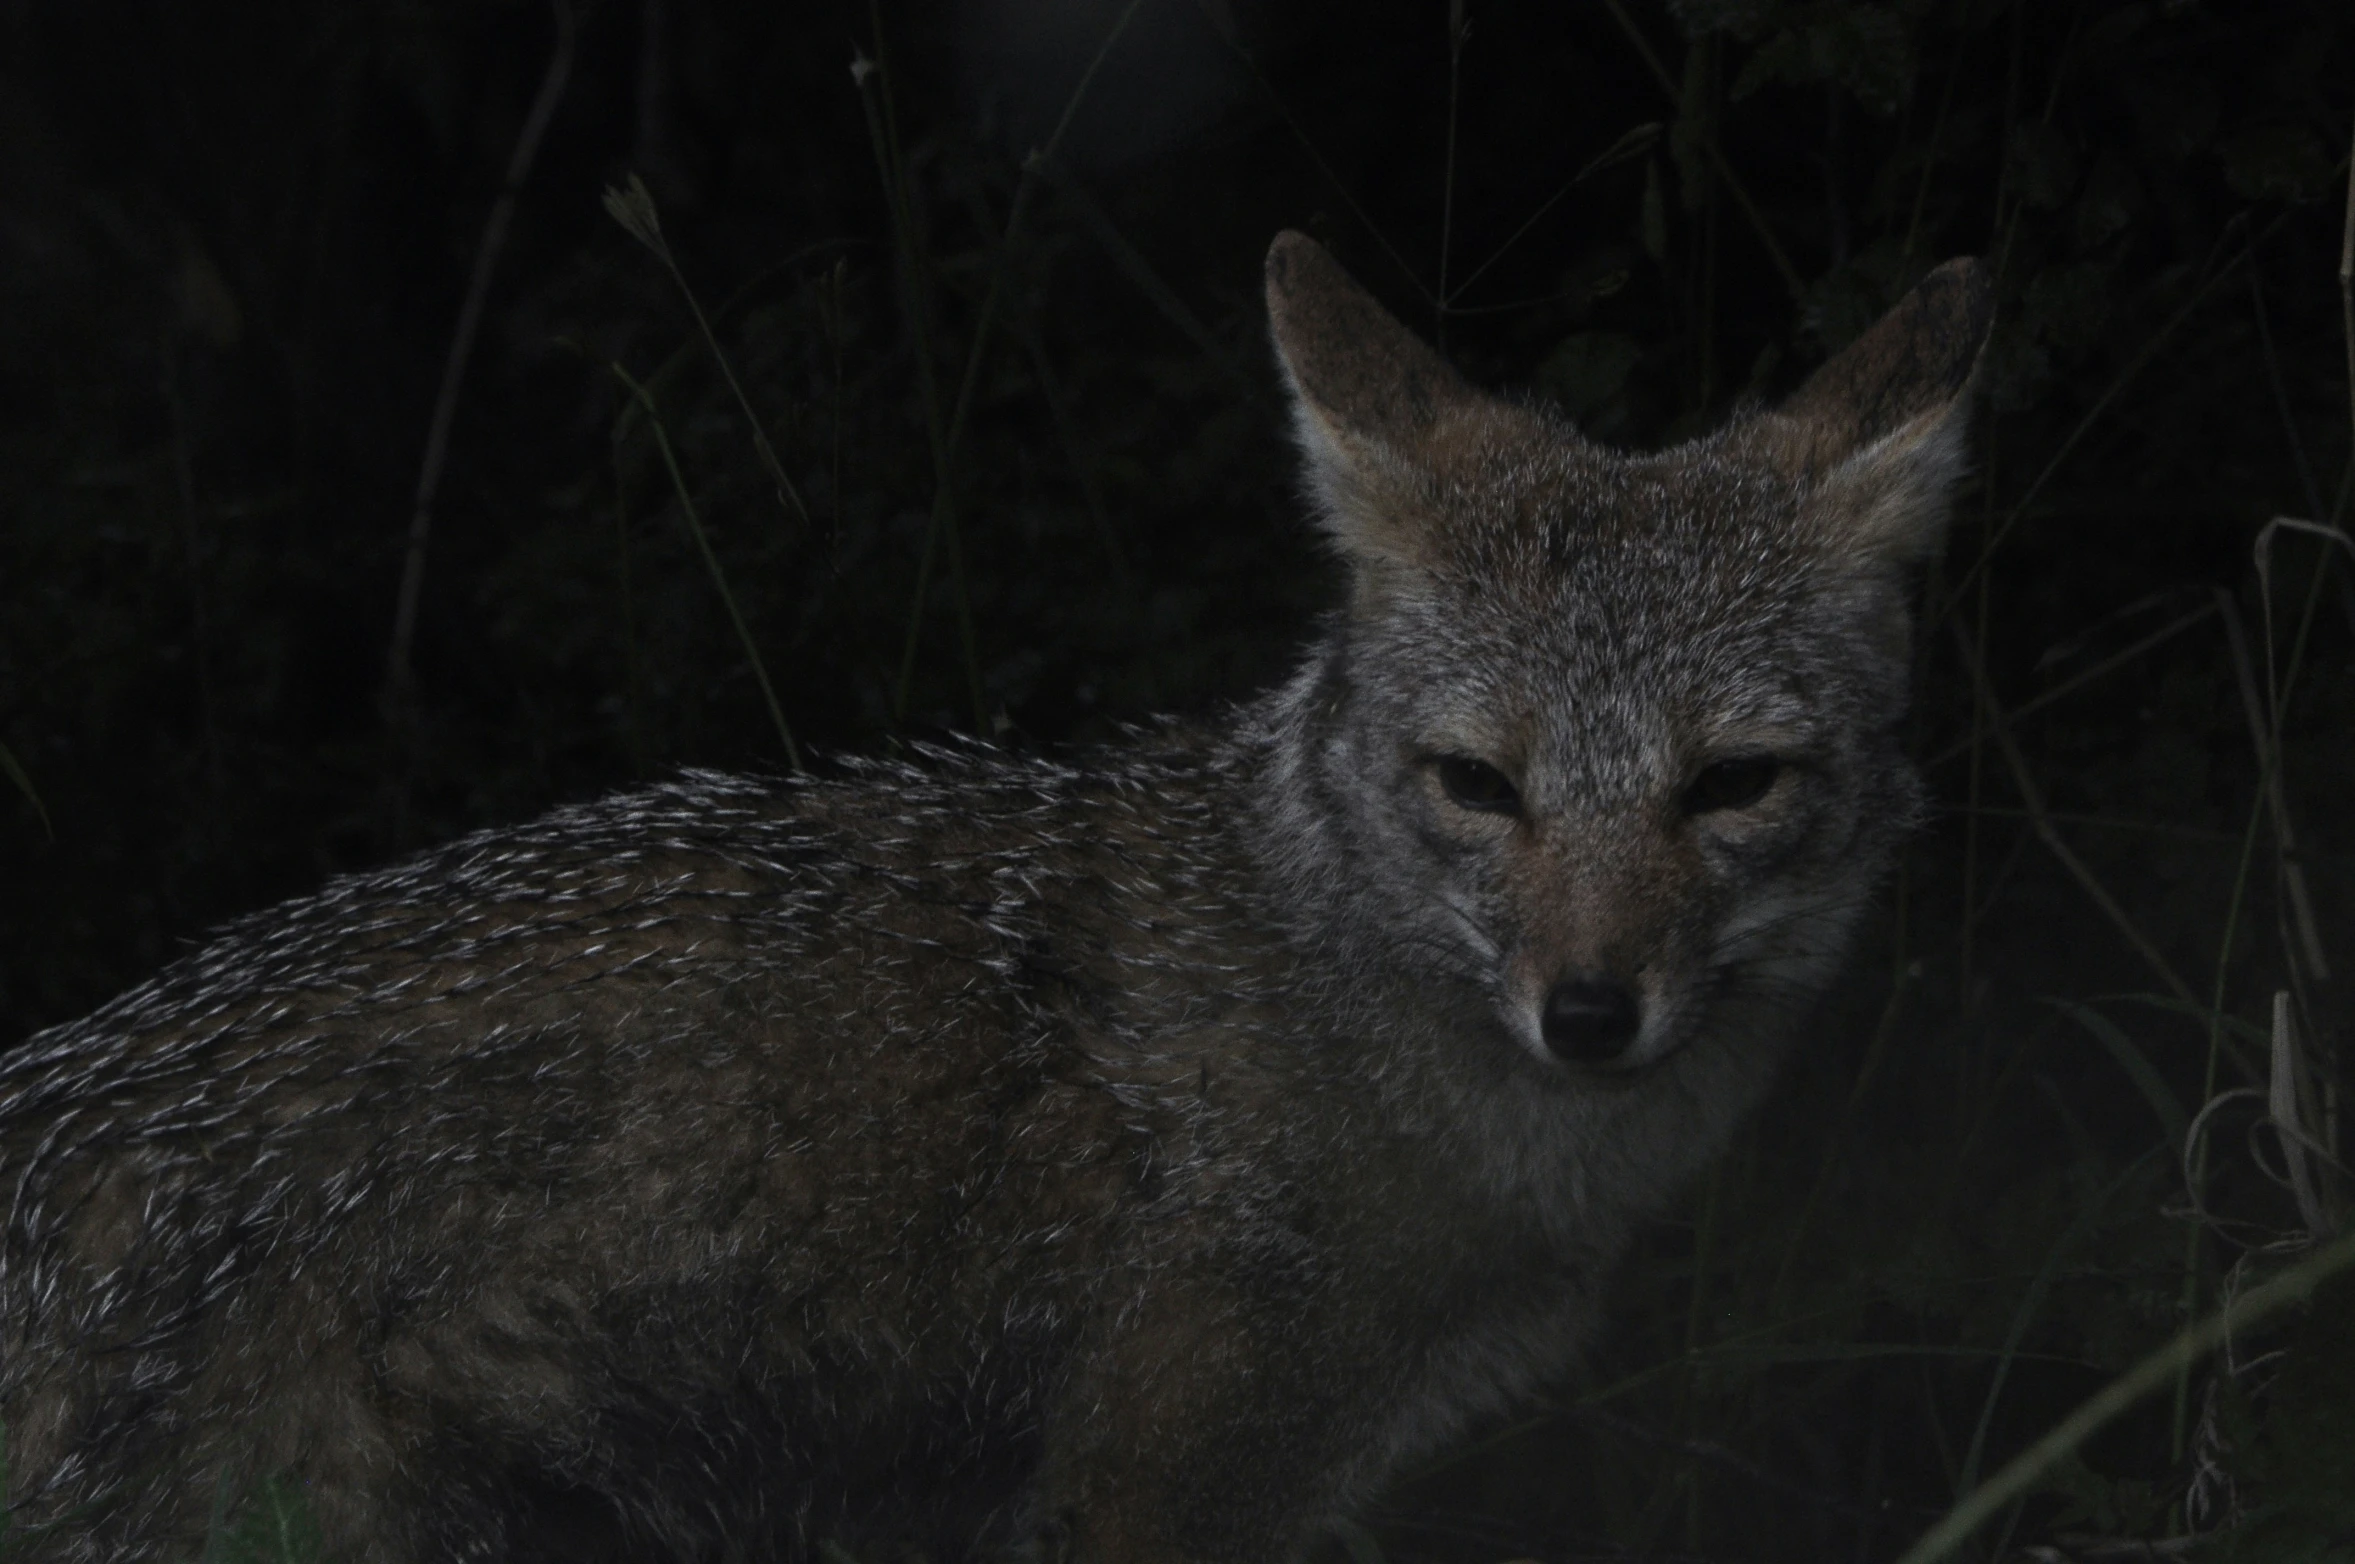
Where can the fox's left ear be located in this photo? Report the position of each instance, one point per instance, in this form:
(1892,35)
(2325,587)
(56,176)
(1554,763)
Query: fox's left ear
(1376,412)
(1878,433)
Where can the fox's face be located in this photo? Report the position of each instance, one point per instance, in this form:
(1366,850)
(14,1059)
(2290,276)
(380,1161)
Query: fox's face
(1609,740)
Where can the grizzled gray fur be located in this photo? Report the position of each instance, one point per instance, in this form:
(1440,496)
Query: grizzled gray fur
(1135,1157)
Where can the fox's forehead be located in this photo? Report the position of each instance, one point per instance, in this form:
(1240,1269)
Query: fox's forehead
(1592,556)
(1640,614)
(1542,510)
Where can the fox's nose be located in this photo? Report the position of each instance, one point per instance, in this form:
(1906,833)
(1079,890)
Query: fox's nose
(1590,1019)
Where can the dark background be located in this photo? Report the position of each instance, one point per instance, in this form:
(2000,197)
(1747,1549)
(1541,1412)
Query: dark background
(236,238)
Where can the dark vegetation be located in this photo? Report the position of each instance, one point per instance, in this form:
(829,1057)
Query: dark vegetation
(997,446)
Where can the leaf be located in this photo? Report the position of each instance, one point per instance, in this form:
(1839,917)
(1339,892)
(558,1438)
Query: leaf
(1868,51)
(1655,214)
(2067,306)
(1630,146)
(1589,370)
(16,774)
(2108,205)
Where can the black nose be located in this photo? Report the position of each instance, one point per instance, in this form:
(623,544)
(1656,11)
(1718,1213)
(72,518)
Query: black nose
(1591,1019)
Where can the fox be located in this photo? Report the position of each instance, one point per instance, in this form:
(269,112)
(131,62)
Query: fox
(1133,1154)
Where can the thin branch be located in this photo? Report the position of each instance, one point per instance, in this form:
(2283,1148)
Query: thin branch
(1633,144)
(945,439)
(1284,112)
(882,118)
(2070,686)
(1668,84)
(1149,281)
(1456,30)
(2046,832)
(1042,374)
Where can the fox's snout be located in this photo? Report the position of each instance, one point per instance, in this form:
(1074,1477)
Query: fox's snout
(1590,1018)
(1597,948)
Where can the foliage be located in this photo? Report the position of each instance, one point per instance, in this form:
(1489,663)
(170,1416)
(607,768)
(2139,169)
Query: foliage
(236,238)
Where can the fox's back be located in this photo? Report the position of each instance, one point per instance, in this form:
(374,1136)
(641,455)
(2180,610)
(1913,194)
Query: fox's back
(560,1116)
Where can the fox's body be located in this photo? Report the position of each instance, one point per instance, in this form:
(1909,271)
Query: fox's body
(1141,1154)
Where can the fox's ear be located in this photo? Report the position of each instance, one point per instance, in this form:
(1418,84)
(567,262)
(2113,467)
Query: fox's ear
(1371,404)
(1878,433)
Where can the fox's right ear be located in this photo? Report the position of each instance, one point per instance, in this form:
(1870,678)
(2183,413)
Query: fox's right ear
(1372,406)
(1877,434)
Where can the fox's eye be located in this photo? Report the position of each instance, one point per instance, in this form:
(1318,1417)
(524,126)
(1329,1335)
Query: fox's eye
(1475,784)
(1731,784)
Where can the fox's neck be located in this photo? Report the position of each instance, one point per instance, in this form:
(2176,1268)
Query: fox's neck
(1313,792)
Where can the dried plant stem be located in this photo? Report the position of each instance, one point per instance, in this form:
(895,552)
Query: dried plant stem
(2316,508)
(2265,738)
(2195,1157)
(397,687)
(2019,1476)
(711,563)
(199,618)
(788,496)
(632,205)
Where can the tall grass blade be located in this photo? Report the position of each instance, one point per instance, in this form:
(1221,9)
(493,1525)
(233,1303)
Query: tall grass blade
(2288,1103)
(2031,1306)
(462,339)
(2020,1475)
(2173,1120)
(711,563)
